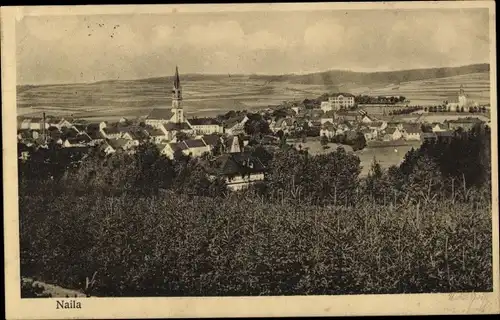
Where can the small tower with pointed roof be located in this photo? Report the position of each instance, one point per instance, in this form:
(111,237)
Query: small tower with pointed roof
(177,110)
(462,97)
(235,146)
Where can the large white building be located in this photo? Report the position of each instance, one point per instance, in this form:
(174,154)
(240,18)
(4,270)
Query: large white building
(463,103)
(338,102)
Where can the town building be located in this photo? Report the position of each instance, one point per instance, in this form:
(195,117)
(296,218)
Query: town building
(339,101)
(438,127)
(412,132)
(206,125)
(329,116)
(236,125)
(111,132)
(238,169)
(464,123)
(392,133)
(462,103)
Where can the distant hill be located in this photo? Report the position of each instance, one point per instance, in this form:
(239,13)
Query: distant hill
(336,77)
(330,78)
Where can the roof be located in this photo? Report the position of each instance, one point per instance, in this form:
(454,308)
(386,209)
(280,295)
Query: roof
(211,139)
(194,143)
(135,135)
(233,121)
(154,132)
(160,114)
(328,114)
(390,130)
(466,120)
(95,135)
(25,133)
(203,121)
(78,139)
(117,143)
(177,146)
(344,94)
(80,127)
(413,129)
(411,126)
(376,124)
(238,163)
(328,125)
(92,126)
(176,126)
(161,146)
(111,130)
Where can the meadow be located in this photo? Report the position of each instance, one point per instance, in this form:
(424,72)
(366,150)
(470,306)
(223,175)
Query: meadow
(209,96)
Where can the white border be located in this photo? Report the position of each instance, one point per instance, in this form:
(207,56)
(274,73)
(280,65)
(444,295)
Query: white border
(220,307)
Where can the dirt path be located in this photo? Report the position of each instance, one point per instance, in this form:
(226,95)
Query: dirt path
(56,291)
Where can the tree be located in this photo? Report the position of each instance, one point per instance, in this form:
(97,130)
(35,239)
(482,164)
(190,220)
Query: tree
(324,141)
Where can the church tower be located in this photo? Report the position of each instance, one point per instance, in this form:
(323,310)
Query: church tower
(178,113)
(462,98)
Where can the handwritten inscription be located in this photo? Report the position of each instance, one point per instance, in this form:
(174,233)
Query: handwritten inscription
(476,302)
(68,304)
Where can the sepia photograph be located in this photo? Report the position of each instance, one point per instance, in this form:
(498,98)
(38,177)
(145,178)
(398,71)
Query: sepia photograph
(338,151)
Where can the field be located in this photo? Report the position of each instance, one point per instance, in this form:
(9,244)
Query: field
(207,96)
(386,156)
(189,248)
(435,91)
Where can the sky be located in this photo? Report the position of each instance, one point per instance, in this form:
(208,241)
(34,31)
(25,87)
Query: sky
(78,48)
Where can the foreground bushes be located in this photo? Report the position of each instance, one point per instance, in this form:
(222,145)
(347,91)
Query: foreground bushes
(173,245)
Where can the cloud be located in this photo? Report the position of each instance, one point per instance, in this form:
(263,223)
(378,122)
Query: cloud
(263,40)
(48,29)
(326,34)
(215,34)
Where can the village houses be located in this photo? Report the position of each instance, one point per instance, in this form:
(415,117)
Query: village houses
(392,134)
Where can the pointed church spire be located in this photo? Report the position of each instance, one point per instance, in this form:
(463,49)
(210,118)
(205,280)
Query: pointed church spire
(177,81)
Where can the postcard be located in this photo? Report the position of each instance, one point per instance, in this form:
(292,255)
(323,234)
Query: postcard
(248,160)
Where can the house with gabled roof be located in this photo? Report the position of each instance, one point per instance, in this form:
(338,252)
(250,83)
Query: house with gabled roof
(156,135)
(115,145)
(239,170)
(392,133)
(236,125)
(81,140)
(412,131)
(111,132)
(328,116)
(377,125)
(168,149)
(193,147)
(438,127)
(212,141)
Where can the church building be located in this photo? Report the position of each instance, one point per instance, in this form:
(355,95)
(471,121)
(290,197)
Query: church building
(172,120)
